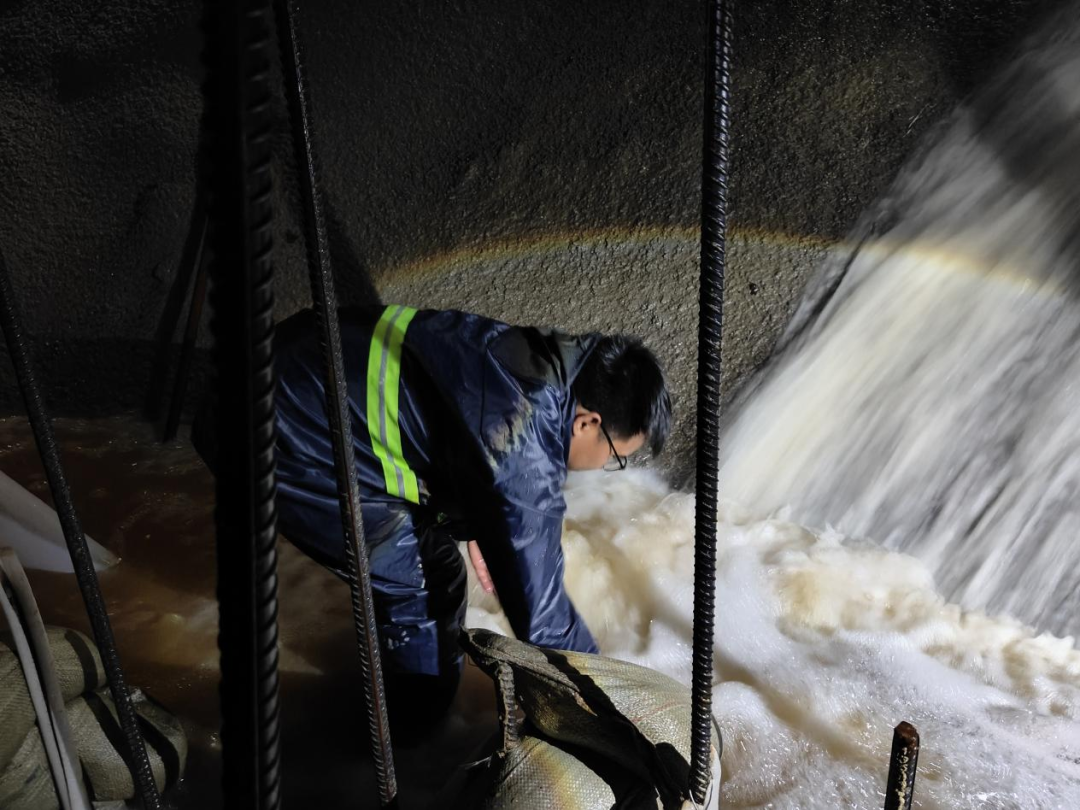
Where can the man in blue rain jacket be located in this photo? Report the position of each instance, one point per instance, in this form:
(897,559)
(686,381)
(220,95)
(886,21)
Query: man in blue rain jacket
(464,428)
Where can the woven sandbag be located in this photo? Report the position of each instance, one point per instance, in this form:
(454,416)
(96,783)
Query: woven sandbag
(16,710)
(635,716)
(26,782)
(78,670)
(99,739)
(543,775)
(78,664)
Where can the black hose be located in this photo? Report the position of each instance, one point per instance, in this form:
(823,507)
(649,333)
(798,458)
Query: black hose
(337,404)
(714,186)
(238,127)
(136,758)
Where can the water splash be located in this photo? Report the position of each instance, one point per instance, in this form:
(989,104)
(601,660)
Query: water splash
(926,393)
(822,646)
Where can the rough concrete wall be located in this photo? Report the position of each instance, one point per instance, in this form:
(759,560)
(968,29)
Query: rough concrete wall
(445,128)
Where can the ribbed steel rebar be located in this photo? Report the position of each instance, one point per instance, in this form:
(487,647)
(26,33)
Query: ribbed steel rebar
(337,405)
(900,787)
(191,329)
(714,188)
(238,128)
(136,756)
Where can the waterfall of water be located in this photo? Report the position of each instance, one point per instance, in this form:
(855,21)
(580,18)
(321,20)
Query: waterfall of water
(926,393)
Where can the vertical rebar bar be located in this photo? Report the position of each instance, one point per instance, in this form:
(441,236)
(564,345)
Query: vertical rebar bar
(337,406)
(710,326)
(900,787)
(238,128)
(191,331)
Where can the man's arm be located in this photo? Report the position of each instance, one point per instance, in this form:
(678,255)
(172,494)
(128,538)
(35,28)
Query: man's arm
(523,553)
(521,422)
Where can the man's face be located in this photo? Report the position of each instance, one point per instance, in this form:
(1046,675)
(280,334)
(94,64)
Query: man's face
(589,447)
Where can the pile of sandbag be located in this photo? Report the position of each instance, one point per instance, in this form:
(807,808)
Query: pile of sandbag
(26,782)
(595,733)
(60,737)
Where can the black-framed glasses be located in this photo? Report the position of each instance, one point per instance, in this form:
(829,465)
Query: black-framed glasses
(616,462)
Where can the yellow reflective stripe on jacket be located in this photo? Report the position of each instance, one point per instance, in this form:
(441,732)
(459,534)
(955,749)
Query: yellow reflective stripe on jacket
(383,388)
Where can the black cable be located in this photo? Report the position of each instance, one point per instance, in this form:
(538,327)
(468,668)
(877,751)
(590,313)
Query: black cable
(238,127)
(141,774)
(337,405)
(714,185)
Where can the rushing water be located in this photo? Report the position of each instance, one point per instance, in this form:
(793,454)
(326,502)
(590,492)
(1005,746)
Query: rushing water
(927,396)
(822,646)
(925,399)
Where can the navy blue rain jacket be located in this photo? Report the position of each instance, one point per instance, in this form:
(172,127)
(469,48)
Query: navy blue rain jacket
(485,417)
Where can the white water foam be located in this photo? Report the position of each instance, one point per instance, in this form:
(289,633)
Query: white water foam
(822,646)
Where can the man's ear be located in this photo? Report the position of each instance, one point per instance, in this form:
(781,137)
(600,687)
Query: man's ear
(584,421)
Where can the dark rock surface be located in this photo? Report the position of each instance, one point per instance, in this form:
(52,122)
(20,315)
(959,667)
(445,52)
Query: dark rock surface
(452,130)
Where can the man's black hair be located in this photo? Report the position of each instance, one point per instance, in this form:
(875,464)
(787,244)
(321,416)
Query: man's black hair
(622,381)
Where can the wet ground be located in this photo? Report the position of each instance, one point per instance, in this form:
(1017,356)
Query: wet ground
(152,504)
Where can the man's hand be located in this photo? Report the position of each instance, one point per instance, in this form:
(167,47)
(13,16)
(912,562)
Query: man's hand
(478,564)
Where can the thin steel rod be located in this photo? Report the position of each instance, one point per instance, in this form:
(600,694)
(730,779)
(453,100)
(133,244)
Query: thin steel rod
(337,405)
(710,326)
(191,332)
(900,787)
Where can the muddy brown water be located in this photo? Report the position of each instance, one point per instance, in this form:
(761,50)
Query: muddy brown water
(152,504)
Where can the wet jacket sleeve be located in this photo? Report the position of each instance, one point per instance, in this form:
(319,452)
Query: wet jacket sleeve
(526,565)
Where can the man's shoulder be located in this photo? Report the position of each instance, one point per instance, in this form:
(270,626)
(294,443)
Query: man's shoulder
(544,356)
(470,352)
(529,354)
(454,328)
